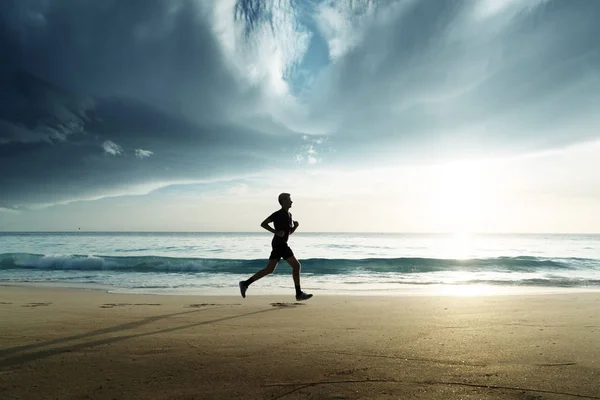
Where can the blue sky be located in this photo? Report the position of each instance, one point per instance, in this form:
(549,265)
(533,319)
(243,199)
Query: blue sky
(408,115)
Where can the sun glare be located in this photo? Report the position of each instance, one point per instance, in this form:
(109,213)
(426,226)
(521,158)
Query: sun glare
(458,246)
(458,196)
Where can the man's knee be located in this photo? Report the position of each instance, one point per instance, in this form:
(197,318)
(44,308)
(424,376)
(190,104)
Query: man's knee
(295,264)
(270,268)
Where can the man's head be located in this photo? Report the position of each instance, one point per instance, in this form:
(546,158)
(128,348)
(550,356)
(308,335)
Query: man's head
(285,200)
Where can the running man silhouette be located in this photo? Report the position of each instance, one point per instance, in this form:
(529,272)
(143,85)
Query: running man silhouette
(284,227)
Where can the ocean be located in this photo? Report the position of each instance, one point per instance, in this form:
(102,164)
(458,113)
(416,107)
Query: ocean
(332,263)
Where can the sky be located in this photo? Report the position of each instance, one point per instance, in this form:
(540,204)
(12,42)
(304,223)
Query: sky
(377,116)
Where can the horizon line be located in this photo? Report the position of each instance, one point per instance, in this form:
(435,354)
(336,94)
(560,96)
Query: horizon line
(313,232)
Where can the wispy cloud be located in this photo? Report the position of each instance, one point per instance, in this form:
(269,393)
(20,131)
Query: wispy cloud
(506,8)
(141,154)
(262,43)
(11,210)
(343,23)
(239,189)
(429,74)
(112,148)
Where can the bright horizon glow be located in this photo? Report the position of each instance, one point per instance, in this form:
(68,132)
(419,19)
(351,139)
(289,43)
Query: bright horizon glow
(457,200)
(504,195)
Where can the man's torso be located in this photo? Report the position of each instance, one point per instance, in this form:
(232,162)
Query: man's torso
(282,221)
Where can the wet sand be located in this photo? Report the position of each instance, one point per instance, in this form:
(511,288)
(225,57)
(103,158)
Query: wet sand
(83,344)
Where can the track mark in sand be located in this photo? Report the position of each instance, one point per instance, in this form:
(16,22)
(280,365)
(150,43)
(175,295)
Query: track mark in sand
(112,305)
(555,364)
(287,304)
(4,302)
(211,304)
(348,371)
(36,304)
(399,357)
(537,326)
(202,305)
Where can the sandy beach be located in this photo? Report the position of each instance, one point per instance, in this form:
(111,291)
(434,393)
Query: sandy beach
(84,344)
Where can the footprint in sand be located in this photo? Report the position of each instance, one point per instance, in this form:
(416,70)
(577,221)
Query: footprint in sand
(112,305)
(202,305)
(36,304)
(348,371)
(210,304)
(287,304)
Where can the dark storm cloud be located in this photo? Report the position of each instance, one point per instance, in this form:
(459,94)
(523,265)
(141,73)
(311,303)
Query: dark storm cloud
(70,125)
(127,146)
(163,51)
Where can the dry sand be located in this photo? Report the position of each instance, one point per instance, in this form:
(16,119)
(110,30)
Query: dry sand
(79,344)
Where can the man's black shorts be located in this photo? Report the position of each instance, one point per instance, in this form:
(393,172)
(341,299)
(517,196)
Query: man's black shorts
(279,252)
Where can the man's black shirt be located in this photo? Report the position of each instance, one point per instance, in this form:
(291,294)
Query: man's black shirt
(282,221)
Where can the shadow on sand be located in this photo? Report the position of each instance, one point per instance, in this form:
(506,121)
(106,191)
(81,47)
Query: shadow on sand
(21,359)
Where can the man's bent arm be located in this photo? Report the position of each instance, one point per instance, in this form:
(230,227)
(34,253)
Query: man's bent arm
(294,227)
(265,225)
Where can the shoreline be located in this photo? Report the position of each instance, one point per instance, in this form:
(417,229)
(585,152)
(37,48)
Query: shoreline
(407,290)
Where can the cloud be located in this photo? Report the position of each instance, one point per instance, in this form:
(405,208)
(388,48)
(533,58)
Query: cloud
(406,72)
(33,110)
(51,172)
(160,78)
(269,41)
(112,148)
(9,209)
(228,88)
(342,23)
(313,150)
(141,154)
(163,52)
(214,62)
(263,43)
(239,189)
(438,76)
(485,9)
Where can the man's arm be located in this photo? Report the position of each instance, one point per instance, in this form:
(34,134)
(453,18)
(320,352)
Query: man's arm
(296,224)
(265,225)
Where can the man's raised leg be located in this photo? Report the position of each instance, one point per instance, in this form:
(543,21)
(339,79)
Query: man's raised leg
(271,265)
